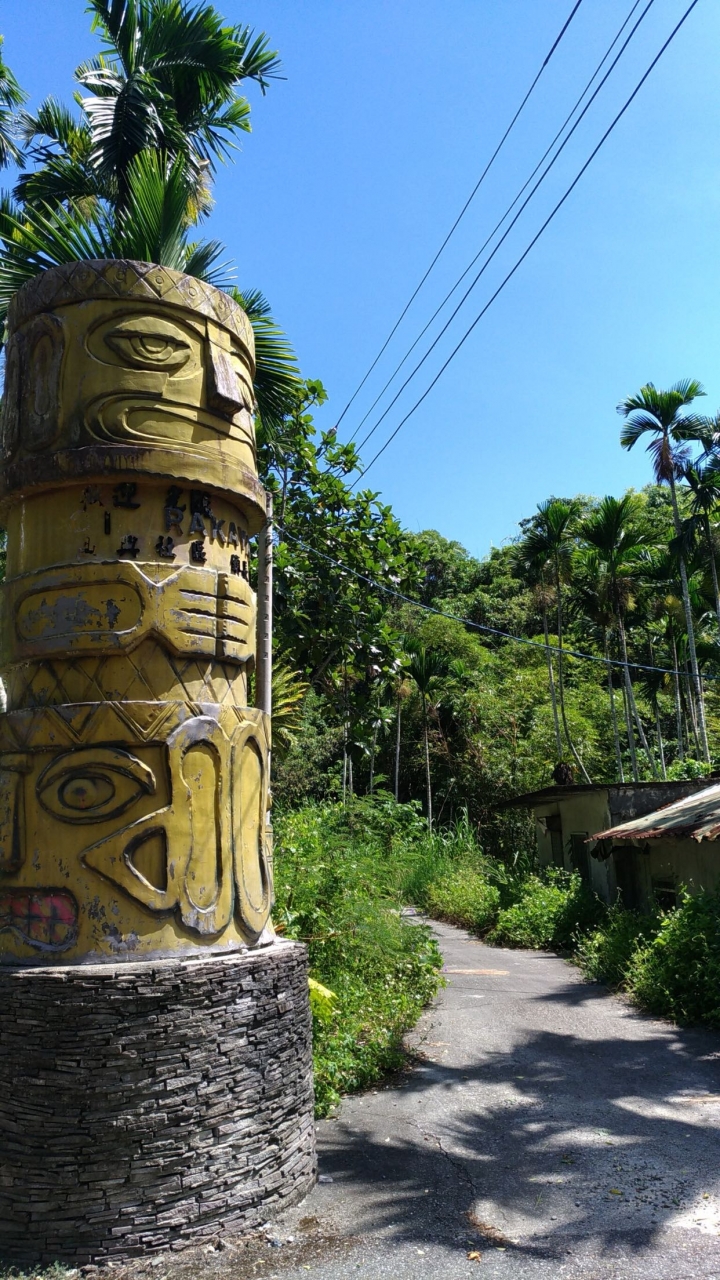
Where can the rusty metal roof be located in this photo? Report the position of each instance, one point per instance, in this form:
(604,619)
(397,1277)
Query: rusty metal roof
(696,817)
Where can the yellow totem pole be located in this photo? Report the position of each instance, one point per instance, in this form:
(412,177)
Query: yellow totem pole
(133,772)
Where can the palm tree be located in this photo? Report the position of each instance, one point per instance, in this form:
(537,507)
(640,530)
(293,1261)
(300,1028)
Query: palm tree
(549,541)
(166,81)
(615,541)
(11,99)
(703,481)
(531,563)
(676,688)
(593,600)
(381,723)
(660,414)
(425,666)
(401,690)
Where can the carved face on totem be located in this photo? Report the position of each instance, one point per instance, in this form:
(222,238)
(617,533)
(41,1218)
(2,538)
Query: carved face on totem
(133,774)
(136,846)
(126,356)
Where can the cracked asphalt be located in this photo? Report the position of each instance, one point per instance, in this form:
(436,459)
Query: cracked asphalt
(546,1130)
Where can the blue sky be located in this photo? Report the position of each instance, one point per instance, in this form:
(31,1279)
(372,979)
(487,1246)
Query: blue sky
(359,163)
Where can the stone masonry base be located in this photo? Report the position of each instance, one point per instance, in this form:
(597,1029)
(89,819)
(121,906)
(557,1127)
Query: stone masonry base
(146,1106)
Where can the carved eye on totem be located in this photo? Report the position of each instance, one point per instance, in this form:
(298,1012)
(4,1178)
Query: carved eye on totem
(93,784)
(158,345)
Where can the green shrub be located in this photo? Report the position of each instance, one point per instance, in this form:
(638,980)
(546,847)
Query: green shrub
(677,973)
(550,911)
(607,954)
(339,873)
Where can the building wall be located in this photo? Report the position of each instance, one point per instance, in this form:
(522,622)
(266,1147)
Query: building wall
(562,828)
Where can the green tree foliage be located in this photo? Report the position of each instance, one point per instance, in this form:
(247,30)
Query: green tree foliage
(333,545)
(166,81)
(11,98)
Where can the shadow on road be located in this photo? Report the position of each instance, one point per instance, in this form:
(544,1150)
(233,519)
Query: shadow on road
(565,1142)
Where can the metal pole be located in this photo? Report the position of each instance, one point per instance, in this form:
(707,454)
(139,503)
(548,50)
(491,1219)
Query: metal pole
(263,664)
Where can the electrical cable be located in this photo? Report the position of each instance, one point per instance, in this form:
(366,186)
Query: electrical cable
(464,209)
(479,626)
(508,229)
(532,243)
(498,225)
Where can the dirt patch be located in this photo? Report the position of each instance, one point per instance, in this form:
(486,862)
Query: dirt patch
(273,1250)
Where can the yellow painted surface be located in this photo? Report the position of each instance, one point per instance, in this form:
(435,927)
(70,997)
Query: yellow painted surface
(579,816)
(133,774)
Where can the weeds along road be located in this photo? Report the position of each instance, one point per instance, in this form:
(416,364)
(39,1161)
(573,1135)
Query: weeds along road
(547,1128)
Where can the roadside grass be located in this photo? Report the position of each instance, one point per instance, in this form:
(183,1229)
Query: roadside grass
(339,876)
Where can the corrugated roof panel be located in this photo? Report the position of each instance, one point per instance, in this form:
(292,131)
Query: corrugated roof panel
(696,817)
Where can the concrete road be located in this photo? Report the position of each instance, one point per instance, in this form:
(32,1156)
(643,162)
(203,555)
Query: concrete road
(547,1130)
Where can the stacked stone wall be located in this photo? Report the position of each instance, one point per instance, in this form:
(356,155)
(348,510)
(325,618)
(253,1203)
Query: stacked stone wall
(146,1106)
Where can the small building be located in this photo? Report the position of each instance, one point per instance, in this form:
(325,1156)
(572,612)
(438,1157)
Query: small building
(573,825)
(659,853)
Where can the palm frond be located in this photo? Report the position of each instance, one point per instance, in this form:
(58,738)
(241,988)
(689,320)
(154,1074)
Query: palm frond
(202,261)
(171,82)
(691,426)
(9,212)
(56,123)
(213,135)
(277,377)
(89,72)
(11,98)
(36,239)
(258,63)
(636,426)
(687,389)
(153,226)
(118,23)
(129,119)
(11,95)
(59,181)
(289,691)
(663,405)
(61,146)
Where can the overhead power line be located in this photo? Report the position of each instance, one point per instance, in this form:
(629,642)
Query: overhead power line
(498,224)
(533,242)
(479,626)
(509,228)
(464,209)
